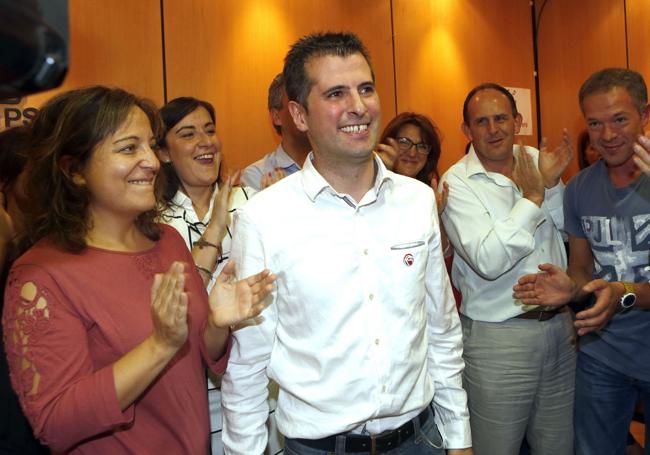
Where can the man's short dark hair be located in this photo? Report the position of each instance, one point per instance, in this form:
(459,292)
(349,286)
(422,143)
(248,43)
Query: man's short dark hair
(275,97)
(297,83)
(488,86)
(606,79)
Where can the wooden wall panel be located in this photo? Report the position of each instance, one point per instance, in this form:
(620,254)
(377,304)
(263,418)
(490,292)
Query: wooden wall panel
(229,51)
(638,36)
(444,48)
(576,38)
(114,42)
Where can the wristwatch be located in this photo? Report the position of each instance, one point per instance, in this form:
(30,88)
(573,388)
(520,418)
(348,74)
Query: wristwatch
(628,299)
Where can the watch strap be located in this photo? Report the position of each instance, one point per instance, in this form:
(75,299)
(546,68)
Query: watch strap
(629,287)
(628,299)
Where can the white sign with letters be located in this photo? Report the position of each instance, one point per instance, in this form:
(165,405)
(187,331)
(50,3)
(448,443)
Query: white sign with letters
(523,100)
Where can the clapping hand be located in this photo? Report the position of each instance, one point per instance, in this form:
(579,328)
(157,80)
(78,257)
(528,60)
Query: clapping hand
(642,151)
(527,177)
(550,287)
(553,287)
(552,164)
(608,299)
(232,301)
(388,153)
(272,177)
(169,307)
(219,217)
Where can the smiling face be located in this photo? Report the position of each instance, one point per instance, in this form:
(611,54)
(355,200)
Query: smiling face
(410,162)
(492,128)
(613,123)
(342,113)
(121,171)
(194,149)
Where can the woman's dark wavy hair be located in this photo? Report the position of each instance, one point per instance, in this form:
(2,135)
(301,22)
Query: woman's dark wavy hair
(172,113)
(65,134)
(583,145)
(13,159)
(430,136)
(13,155)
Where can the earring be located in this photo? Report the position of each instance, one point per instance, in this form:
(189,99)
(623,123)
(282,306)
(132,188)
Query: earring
(78,179)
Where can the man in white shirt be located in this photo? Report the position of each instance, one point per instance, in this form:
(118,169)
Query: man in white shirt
(288,157)
(503,218)
(361,333)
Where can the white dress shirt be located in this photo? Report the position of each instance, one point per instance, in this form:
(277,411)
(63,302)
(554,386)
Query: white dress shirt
(498,236)
(361,331)
(277,159)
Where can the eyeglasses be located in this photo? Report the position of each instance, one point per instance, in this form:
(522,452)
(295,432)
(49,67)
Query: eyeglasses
(404,144)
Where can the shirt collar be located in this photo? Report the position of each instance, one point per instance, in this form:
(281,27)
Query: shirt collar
(473,166)
(183,201)
(314,183)
(282,159)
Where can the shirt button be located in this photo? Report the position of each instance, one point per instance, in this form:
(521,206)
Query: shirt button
(365,252)
(371,296)
(377,341)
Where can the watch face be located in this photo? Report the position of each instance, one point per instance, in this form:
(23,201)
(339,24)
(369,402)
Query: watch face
(628,301)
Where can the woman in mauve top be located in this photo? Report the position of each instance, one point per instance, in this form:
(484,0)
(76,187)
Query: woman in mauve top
(107,327)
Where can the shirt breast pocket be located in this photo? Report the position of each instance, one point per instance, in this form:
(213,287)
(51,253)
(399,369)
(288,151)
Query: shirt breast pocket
(408,260)
(408,264)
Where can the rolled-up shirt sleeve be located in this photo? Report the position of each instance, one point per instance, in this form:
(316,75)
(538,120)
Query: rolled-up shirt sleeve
(491,246)
(64,397)
(554,204)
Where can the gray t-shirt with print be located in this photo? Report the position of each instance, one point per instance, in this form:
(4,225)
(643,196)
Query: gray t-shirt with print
(616,223)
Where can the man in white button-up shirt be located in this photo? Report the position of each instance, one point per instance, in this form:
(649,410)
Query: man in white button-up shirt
(361,333)
(503,218)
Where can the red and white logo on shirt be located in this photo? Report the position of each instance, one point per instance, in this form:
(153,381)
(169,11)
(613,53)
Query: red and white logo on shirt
(408,259)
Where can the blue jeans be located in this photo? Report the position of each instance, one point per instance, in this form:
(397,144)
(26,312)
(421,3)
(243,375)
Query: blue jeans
(425,441)
(604,407)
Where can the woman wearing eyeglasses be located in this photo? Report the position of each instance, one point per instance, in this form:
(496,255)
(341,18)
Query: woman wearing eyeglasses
(415,145)
(410,145)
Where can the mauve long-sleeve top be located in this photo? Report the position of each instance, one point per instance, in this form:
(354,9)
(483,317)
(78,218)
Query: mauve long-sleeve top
(77,315)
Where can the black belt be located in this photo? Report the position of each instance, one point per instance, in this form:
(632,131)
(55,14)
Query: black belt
(540,315)
(369,443)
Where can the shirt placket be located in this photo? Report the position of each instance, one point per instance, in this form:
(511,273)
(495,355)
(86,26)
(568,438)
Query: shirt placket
(372,304)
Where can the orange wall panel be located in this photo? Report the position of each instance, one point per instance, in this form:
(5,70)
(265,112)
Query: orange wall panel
(444,48)
(576,38)
(229,51)
(638,36)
